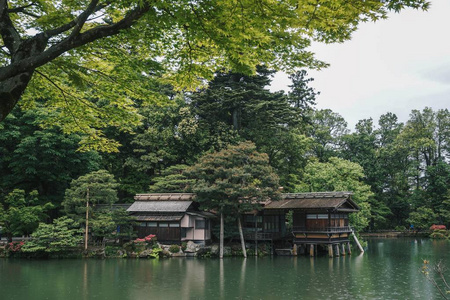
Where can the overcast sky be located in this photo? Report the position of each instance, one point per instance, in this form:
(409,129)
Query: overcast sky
(393,65)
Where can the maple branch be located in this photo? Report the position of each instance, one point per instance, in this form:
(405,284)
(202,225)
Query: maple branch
(9,33)
(73,42)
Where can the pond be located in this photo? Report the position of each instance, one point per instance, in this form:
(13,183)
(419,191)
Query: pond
(388,270)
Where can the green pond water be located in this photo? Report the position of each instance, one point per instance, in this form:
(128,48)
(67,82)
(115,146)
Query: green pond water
(388,270)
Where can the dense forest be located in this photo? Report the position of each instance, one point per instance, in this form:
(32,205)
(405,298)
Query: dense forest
(399,172)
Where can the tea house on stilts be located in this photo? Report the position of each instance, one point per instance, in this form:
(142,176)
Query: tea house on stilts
(318,219)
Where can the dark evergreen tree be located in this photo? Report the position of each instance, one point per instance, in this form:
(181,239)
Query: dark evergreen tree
(42,159)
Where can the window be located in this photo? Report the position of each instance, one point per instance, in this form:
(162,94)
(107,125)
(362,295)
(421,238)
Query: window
(152,224)
(271,223)
(174,224)
(163,224)
(183,232)
(317,216)
(142,224)
(200,224)
(252,223)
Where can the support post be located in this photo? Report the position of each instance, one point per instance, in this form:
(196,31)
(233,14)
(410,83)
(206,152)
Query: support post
(221,237)
(86,236)
(311,250)
(294,250)
(357,242)
(349,249)
(336,248)
(330,250)
(256,235)
(241,234)
(343,249)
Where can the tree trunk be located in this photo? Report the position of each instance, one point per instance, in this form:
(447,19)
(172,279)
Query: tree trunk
(244,251)
(10,92)
(9,237)
(87,221)
(221,237)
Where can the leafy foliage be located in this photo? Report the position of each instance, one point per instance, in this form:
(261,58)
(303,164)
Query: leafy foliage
(98,187)
(62,235)
(85,55)
(422,218)
(42,159)
(234,180)
(21,214)
(340,175)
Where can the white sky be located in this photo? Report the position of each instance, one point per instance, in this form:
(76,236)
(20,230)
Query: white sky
(393,65)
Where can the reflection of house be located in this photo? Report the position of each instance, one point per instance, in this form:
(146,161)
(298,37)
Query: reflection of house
(172,217)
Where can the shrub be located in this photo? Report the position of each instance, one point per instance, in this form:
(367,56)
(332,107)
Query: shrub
(156,252)
(400,228)
(14,247)
(439,234)
(174,249)
(139,245)
(183,246)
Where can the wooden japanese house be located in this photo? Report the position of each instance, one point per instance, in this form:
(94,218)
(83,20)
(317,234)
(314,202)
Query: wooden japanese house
(172,217)
(317,218)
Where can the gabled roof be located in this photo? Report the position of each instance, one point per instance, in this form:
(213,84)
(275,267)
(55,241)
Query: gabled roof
(165,197)
(338,201)
(168,206)
(172,217)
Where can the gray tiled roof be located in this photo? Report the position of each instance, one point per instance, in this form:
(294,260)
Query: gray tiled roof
(165,197)
(159,206)
(316,195)
(324,200)
(159,218)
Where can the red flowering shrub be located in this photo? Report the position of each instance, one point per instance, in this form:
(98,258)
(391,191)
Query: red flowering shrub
(14,246)
(148,238)
(437,227)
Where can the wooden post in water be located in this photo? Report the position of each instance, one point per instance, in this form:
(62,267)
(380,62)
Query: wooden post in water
(241,234)
(337,249)
(357,242)
(343,249)
(221,237)
(86,236)
(349,249)
(311,250)
(294,250)
(330,250)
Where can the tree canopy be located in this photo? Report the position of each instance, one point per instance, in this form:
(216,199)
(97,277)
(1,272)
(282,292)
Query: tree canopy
(90,60)
(234,179)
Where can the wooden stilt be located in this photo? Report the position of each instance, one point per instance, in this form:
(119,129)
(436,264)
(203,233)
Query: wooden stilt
(357,242)
(311,250)
(294,250)
(349,249)
(336,248)
(343,249)
(330,250)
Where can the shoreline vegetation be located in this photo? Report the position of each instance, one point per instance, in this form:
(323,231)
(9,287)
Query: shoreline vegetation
(146,248)
(150,248)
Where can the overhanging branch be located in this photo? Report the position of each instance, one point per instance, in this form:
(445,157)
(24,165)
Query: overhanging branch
(9,33)
(73,42)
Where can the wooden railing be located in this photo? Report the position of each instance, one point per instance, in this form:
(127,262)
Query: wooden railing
(262,235)
(322,230)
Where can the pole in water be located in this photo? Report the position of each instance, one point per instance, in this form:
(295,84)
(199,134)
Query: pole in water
(357,242)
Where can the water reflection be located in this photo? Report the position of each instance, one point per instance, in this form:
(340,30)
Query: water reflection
(388,270)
